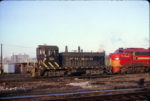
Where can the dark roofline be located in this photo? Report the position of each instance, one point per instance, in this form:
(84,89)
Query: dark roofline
(46,46)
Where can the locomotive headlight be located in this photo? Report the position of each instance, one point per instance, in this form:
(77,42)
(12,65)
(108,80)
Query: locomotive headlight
(116,58)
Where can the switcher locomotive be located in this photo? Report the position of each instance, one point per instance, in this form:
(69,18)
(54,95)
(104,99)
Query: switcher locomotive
(52,63)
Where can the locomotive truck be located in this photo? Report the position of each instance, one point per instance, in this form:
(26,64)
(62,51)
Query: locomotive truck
(52,63)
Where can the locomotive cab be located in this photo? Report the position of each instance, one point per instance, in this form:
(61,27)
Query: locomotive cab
(50,52)
(47,57)
(119,58)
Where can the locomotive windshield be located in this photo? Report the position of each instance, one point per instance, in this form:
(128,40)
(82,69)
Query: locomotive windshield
(119,51)
(47,51)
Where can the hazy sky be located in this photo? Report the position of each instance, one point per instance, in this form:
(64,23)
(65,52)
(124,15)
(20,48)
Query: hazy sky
(94,25)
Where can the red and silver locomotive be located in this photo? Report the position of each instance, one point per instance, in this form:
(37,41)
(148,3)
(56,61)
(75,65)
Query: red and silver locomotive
(130,60)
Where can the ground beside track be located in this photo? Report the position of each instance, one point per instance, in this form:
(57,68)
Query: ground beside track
(23,84)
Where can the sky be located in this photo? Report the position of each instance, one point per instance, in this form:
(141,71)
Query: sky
(92,25)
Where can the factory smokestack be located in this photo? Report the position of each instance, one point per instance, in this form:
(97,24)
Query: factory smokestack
(66,48)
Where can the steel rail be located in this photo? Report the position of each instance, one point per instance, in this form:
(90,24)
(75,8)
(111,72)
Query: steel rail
(77,93)
(134,96)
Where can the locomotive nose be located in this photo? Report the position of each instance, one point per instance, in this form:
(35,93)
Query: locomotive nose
(115,63)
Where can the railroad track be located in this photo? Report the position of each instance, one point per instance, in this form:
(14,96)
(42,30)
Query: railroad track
(132,94)
(28,78)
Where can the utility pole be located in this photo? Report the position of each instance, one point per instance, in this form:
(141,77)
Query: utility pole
(1,68)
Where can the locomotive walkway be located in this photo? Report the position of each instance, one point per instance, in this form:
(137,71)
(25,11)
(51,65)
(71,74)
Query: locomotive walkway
(131,94)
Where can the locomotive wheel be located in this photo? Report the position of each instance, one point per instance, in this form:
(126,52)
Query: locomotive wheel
(34,72)
(147,69)
(67,73)
(142,70)
(129,70)
(123,70)
(42,72)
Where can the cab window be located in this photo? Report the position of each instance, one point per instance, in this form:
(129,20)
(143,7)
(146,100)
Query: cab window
(142,53)
(120,51)
(127,52)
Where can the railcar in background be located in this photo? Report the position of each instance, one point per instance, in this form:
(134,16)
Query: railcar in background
(130,60)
